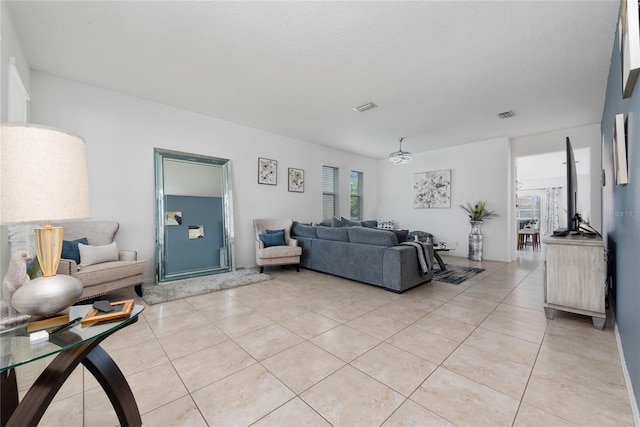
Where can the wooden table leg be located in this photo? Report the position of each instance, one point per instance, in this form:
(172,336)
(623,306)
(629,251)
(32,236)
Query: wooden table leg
(105,370)
(436,255)
(30,410)
(8,395)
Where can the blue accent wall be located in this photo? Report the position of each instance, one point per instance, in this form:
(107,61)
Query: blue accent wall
(621,217)
(184,254)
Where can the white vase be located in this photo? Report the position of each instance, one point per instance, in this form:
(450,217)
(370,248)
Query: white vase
(475,241)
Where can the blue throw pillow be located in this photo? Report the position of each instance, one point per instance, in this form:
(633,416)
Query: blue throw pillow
(274,231)
(70,249)
(272,239)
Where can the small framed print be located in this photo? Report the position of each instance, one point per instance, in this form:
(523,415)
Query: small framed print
(267,171)
(196,232)
(173,218)
(121,310)
(296,180)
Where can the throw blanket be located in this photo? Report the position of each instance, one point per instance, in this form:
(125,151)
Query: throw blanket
(423,256)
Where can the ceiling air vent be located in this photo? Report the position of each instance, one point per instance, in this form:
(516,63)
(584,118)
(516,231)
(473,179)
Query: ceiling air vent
(506,114)
(365,107)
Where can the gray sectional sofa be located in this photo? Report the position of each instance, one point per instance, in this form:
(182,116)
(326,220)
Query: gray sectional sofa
(364,254)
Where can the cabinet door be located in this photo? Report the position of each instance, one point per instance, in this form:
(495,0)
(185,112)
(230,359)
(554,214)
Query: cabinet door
(575,276)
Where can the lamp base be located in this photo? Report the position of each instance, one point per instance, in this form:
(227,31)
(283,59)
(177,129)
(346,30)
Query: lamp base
(46,296)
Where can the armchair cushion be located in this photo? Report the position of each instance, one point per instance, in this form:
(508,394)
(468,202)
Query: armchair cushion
(70,249)
(90,255)
(272,238)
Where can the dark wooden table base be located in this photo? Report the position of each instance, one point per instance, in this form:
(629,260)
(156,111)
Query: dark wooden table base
(30,410)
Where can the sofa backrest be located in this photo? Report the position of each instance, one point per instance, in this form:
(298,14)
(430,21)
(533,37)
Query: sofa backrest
(304,230)
(371,236)
(340,234)
(97,232)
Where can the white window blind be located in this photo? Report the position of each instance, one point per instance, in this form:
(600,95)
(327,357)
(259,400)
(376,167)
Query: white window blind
(330,197)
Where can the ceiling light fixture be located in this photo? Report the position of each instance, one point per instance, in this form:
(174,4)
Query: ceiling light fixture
(365,107)
(400,157)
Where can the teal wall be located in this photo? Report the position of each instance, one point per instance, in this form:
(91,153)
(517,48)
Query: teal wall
(621,217)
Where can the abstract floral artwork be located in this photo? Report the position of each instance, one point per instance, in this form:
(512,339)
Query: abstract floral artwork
(432,189)
(296,180)
(267,171)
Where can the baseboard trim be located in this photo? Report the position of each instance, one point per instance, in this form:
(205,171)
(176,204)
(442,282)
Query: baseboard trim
(625,373)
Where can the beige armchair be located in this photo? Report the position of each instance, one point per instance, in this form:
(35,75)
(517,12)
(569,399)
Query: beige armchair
(102,277)
(276,255)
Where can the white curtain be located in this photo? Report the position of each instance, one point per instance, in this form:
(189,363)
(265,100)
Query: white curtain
(552,217)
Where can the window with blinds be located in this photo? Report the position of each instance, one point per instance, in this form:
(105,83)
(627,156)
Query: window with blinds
(330,195)
(356,195)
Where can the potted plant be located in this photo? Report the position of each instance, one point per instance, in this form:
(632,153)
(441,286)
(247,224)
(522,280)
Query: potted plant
(477,214)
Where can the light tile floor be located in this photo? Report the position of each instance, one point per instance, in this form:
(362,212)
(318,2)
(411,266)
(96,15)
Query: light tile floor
(312,349)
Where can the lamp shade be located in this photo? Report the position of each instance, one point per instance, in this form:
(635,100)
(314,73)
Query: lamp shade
(43,175)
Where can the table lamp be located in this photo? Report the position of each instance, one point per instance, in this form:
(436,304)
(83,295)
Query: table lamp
(43,178)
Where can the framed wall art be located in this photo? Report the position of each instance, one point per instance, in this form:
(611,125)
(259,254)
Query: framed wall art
(267,171)
(629,43)
(432,189)
(620,166)
(173,218)
(296,180)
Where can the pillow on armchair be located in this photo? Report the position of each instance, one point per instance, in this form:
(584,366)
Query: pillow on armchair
(70,249)
(90,255)
(272,238)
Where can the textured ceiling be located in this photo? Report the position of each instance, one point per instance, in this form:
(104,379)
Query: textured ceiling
(439,71)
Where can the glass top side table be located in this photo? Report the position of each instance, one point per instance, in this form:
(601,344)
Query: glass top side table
(75,345)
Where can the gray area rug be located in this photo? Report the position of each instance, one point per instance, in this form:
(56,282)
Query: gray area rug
(171,291)
(456,274)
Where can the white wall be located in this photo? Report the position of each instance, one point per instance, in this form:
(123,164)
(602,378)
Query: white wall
(589,190)
(479,171)
(121,132)
(9,46)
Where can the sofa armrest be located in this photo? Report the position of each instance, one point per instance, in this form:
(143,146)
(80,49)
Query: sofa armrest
(293,242)
(67,266)
(127,255)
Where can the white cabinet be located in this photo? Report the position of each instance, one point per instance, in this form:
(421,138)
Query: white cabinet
(575,277)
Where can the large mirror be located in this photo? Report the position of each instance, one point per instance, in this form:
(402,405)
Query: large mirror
(194,217)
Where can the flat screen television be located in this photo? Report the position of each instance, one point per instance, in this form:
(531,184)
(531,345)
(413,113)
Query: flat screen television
(572,195)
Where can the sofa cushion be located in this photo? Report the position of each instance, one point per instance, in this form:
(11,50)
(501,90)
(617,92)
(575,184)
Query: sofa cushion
(350,223)
(337,223)
(303,230)
(111,271)
(371,236)
(90,255)
(280,252)
(325,223)
(401,235)
(340,234)
(70,249)
(273,238)
(373,223)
